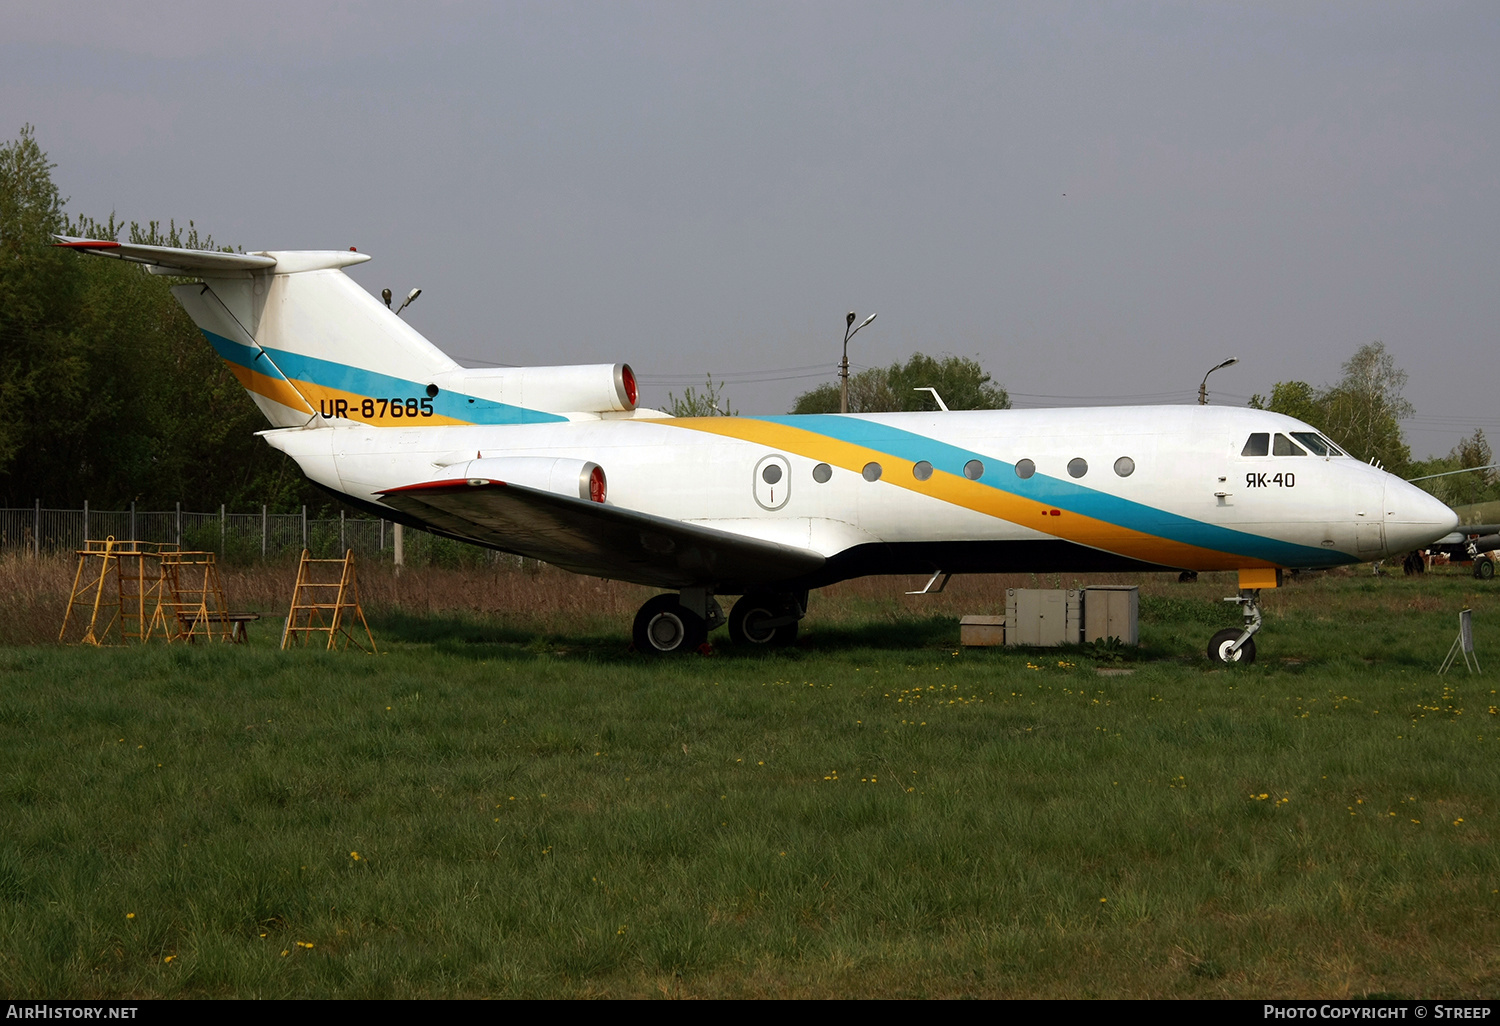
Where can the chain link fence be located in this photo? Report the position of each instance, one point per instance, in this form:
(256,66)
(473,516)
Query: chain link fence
(235,537)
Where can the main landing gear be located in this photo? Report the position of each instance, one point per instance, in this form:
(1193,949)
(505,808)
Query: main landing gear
(669,624)
(1237,644)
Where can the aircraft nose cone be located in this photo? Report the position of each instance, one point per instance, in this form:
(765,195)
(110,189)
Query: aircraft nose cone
(1414,518)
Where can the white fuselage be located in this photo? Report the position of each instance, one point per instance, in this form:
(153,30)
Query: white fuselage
(1191,500)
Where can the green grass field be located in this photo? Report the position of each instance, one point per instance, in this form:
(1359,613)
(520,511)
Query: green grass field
(507,803)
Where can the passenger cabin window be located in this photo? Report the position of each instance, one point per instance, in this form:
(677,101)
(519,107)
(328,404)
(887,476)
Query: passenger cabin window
(1284,446)
(1258,445)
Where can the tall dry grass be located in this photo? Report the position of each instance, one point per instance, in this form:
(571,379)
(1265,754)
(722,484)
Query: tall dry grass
(537,597)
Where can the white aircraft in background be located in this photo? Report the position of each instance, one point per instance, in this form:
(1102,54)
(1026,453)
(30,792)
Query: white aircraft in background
(560,464)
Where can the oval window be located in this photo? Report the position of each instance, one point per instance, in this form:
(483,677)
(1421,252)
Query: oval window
(1124,466)
(1025,468)
(973,470)
(1077,467)
(771,474)
(871,472)
(822,472)
(921,471)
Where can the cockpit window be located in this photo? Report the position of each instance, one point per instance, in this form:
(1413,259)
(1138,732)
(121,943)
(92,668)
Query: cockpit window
(1258,445)
(1284,446)
(1320,445)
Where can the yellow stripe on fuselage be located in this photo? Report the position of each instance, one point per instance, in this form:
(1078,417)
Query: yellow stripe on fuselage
(277,390)
(960,491)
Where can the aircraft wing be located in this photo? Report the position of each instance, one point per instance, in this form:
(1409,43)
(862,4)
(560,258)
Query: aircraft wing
(604,541)
(187,262)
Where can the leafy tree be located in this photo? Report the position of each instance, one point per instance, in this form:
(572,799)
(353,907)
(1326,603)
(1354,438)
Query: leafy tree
(1362,413)
(1461,489)
(1293,398)
(1365,408)
(963,384)
(108,392)
(711,402)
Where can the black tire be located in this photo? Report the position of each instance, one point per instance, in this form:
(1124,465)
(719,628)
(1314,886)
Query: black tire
(748,613)
(1218,648)
(664,627)
(1484,569)
(1187,577)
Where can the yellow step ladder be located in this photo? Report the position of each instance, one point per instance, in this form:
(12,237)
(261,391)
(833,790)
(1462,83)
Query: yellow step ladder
(321,605)
(191,603)
(98,566)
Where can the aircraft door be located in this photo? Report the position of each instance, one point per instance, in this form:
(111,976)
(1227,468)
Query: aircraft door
(773,482)
(1369,527)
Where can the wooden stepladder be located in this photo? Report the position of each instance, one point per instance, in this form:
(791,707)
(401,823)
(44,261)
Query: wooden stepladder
(324,605)
(146,591)
(140,587)
(98,568)
(192,603)
(117,583)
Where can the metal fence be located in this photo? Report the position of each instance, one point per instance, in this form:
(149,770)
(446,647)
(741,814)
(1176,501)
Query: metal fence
(236,537)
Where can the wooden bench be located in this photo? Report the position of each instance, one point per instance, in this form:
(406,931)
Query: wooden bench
(237,633)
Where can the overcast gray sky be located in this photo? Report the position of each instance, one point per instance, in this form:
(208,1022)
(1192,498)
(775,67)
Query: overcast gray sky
(1098,201)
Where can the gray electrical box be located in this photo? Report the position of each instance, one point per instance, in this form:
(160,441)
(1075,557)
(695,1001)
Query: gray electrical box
(1040,618)
(1112,611)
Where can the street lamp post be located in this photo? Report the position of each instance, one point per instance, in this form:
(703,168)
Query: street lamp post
(849,332)
(1203,387)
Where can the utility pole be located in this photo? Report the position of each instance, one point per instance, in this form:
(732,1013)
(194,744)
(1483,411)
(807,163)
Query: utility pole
(849,332)
(1203,387)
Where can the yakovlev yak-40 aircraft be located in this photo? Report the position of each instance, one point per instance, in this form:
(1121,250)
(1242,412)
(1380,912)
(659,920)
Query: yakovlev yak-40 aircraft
(561,465)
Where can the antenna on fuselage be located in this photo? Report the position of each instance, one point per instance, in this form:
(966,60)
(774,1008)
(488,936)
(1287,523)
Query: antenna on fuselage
(928,388)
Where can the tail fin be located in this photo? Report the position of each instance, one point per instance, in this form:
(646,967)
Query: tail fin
(299,334)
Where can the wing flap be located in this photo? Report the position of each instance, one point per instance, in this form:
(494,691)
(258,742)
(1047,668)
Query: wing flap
(604,541)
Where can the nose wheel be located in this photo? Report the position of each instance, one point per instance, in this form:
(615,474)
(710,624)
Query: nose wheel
(1237,645)
(1221,647)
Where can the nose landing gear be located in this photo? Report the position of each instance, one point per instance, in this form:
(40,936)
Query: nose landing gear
(1237,645)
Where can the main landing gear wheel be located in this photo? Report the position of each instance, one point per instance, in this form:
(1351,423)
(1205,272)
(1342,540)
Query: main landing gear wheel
(762,621)
(1218,647)
(1484,569)
(663,627)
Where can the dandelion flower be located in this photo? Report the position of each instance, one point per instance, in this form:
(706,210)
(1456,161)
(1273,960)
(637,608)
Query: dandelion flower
(129,915)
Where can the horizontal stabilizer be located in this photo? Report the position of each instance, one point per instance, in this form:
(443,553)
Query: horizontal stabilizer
(208,263)
(604,541)
(187,261)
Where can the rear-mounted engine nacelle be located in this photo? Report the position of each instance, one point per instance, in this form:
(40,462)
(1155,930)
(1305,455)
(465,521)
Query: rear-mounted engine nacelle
(578,479)
(585,388)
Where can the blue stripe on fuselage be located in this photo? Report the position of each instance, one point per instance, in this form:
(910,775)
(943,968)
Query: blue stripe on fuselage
(357,381)
(909,445)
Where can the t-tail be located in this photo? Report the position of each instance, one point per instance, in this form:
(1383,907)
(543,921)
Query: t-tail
(309,344)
